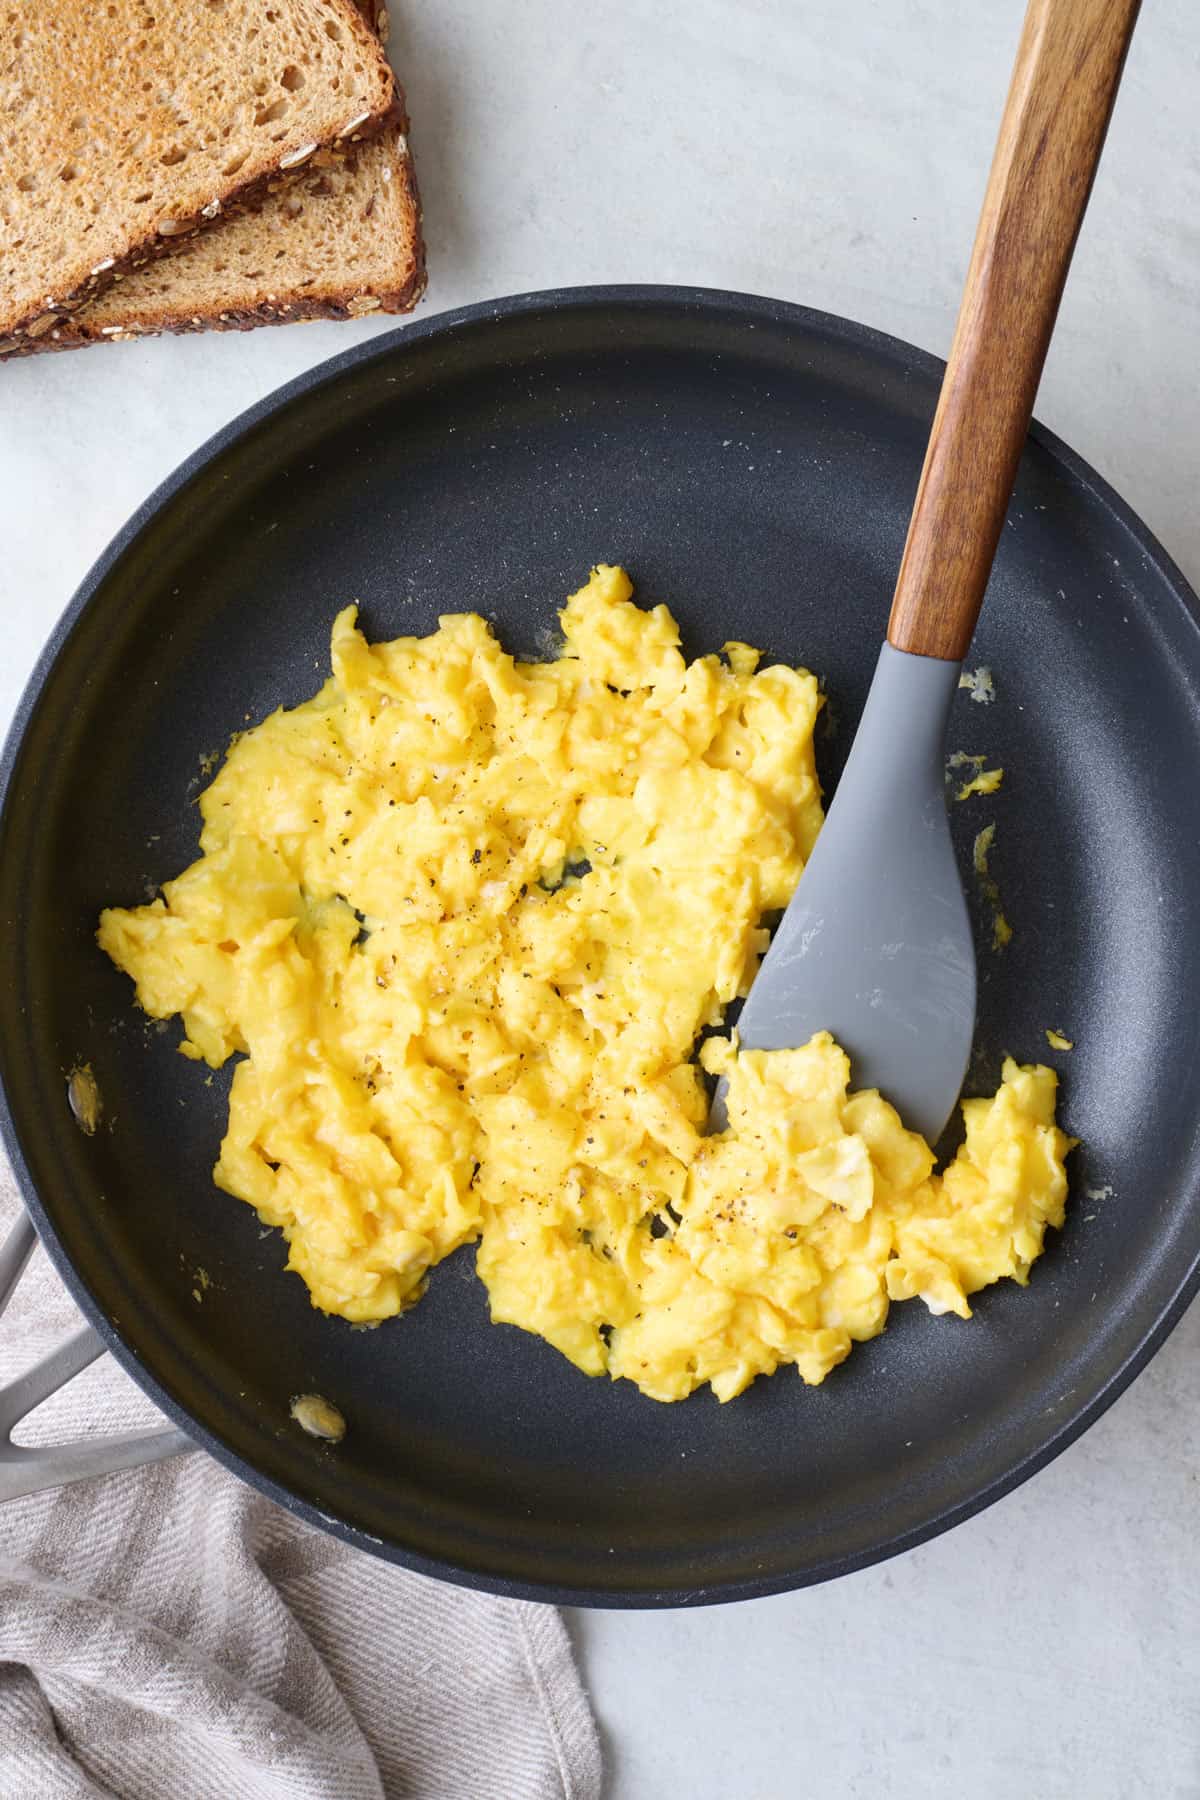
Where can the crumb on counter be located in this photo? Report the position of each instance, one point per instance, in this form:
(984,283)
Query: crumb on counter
(1057,1039)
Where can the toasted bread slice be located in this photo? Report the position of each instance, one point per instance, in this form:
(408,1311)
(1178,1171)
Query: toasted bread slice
(342,241)
(129,129)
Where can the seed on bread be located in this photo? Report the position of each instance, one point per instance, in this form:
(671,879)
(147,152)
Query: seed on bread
(297,157)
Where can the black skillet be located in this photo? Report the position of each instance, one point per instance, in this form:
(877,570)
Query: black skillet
(754,466)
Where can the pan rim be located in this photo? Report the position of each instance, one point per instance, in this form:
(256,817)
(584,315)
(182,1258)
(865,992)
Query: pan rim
(650,297)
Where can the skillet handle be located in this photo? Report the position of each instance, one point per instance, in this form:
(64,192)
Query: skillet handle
(26,1469)
(1063,87)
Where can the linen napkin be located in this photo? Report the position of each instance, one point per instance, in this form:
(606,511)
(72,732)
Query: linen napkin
(170,1634)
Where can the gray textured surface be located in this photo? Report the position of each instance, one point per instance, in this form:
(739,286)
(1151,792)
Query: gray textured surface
(833,154)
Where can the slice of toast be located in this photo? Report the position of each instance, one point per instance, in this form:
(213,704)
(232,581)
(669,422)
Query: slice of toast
(128,130)
(342,241)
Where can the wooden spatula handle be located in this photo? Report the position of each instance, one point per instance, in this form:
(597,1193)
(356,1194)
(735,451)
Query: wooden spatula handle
(1063,87)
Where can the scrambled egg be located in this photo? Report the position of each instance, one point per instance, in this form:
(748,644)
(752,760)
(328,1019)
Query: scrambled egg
(981,780)
(980,685)
(465,919)
(988,887)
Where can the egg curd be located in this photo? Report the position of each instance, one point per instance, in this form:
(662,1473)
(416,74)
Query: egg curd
(465,920)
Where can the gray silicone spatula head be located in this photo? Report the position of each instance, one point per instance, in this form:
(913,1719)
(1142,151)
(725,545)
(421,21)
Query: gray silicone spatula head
(876,947)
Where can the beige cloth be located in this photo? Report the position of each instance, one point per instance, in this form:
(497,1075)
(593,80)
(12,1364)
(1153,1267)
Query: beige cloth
(169,1634)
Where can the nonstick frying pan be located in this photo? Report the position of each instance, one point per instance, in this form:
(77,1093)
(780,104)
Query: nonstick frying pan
(754,466)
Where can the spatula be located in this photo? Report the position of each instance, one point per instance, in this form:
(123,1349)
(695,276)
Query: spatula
(876,946)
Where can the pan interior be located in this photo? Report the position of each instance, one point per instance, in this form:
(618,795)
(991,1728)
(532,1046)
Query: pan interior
(753,465)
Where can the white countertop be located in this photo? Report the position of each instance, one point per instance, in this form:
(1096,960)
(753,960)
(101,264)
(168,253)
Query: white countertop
(832,153)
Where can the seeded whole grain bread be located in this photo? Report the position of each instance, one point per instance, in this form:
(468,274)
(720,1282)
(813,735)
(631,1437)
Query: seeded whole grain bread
(342,240)
(123,130)
(342,243)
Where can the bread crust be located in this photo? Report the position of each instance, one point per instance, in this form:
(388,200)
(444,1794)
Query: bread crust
(24,335)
